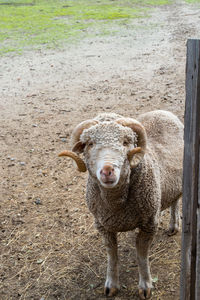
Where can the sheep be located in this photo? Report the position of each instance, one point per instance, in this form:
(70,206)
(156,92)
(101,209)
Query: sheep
(135,172)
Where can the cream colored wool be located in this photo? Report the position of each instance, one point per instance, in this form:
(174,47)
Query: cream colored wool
(141,192)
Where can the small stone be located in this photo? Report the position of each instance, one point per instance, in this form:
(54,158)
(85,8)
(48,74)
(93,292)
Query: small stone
(155,279)
(34,125)
(38,201)
(64,140)
(39,261)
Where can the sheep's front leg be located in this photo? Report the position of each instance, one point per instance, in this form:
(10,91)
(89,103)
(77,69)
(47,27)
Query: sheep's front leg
(112,278)
(143,243)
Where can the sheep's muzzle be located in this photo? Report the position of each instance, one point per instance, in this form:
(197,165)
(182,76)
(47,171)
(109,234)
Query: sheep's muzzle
(80,163)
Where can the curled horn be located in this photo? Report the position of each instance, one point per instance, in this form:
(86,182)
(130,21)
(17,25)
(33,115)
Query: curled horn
(80,163)
(77,145)
(79,129)
(135,155)
(132,152)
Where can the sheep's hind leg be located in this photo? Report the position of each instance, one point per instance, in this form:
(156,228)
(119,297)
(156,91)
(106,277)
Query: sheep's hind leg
(112,278)
(174,218)
(143,243)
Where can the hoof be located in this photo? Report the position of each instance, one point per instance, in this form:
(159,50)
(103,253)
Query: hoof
(110,292)
(145,294)
(173,231)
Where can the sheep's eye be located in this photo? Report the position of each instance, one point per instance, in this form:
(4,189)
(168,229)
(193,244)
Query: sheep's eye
(125,143)
(90,144)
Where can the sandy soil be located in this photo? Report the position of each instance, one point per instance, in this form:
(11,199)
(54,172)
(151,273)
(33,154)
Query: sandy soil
(49,247)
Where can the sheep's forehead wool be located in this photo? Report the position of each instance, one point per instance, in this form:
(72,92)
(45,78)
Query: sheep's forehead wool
(108,133)
(106,117)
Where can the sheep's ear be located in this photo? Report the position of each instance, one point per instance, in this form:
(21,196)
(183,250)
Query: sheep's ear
(78,147)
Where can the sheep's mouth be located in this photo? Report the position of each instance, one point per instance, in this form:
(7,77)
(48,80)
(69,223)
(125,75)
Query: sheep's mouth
(108,183)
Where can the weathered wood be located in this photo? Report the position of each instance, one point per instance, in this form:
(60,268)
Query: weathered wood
(196,87)
(190,173)
(197,287)
(197,293)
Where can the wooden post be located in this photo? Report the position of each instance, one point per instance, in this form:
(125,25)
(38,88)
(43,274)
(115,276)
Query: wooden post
(197,295)
(190,256)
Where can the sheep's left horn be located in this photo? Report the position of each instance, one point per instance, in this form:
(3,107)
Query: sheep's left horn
(138,128)
(132,152)
(80,163)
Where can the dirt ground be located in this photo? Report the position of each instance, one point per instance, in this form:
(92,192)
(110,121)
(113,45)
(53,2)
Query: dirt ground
(49,247)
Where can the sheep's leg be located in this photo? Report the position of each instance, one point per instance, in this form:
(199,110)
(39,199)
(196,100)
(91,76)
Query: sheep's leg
(174,218)
(112,278)
(143,243)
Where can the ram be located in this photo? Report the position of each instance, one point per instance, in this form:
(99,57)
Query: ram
(135,172)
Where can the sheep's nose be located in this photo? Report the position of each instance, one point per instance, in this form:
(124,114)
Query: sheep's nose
(107,171)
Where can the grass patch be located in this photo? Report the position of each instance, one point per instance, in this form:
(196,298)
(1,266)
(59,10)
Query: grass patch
(192,1)
(31,24)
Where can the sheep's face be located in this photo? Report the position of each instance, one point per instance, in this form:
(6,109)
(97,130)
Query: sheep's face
(106,148)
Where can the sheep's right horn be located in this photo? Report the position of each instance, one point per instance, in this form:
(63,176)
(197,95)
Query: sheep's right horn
(79,129)
(80,163)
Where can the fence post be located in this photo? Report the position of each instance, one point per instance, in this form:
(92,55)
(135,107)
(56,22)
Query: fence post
(190,255)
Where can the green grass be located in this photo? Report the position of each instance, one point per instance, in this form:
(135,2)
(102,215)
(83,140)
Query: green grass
(193,1)
(33,24)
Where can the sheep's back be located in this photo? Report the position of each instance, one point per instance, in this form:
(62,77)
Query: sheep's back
(165,140)
(162,126)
